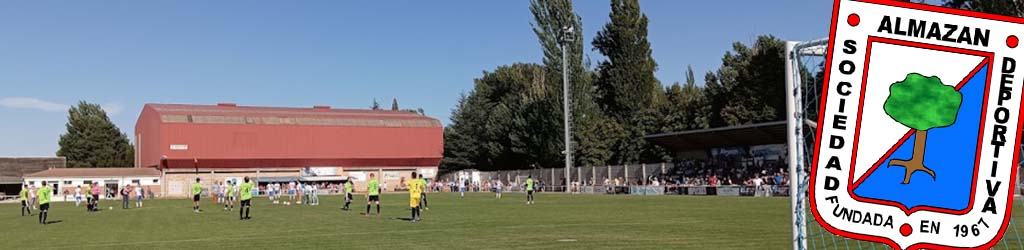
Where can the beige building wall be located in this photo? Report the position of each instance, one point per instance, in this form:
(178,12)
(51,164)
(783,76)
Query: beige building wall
(391,179)
(178,184)
(66,185)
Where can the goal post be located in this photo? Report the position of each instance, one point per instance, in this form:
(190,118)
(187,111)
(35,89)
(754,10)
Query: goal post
(796,122)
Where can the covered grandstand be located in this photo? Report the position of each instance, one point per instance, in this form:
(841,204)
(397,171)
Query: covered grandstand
(706,160)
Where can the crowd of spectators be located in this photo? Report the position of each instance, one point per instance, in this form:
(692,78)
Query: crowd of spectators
(725,171)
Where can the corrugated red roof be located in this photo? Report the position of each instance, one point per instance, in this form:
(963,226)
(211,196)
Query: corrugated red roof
(94,172)
(288,112)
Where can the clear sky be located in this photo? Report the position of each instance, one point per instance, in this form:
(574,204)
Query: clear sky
(123,54)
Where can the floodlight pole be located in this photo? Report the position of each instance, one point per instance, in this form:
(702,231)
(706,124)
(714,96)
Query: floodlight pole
(567,33)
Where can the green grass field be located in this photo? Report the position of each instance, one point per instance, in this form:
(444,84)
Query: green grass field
(479,221)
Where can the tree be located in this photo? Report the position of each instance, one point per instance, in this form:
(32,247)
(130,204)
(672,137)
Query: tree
(460,149)
(626,89)
(597,141)
(625,84)
(750,85)
(998,7)
(394,104)
(509,120)
(921,103)
(695,100)
(376,105)
(92,140)
(550,17)
(684,104)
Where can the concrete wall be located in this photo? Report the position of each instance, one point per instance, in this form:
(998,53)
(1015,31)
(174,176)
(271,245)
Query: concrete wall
(391,180)
(178,184)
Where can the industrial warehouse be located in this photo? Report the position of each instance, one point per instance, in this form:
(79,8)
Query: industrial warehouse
(319,144)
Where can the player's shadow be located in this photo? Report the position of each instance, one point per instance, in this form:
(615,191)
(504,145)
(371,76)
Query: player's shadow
(403,219)
(53,222)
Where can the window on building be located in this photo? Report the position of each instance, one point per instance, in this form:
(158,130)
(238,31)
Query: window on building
(135,181)
(156,181)
(87,182)
(67,182)
(31,182)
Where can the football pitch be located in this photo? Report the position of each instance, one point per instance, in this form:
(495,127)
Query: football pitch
(479,221)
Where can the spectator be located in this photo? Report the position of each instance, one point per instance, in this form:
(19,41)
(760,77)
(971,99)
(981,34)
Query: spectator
(138,196)
(125,193)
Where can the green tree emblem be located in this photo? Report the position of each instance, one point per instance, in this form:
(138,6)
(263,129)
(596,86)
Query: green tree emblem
(921,103)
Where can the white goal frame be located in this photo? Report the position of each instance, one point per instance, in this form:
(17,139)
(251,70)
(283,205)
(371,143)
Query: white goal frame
(795,136)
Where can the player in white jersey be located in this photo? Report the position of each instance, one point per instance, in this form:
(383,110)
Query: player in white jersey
(462,188)
(78,195)
(138,196)
(497,188)
(291,191)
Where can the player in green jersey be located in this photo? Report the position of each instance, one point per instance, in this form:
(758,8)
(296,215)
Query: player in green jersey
(229,196)
(197,191)
(23,196)
(529,189)
(348,194)
(44,194)
(372,194)
(423,192)
(245,191)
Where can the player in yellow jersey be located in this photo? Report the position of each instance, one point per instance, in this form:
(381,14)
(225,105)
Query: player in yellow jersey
(414,197)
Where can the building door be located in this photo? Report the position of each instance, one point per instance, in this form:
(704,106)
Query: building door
(112,188)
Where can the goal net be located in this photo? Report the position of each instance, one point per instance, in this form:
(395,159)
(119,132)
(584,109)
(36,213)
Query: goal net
(804,65)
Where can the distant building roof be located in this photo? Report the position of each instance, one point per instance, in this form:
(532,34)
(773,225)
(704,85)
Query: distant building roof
(10,180)
(227,113)
(93,172)
(703,139)
(13,168)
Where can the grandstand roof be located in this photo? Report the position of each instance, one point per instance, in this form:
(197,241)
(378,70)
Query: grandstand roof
(703,139)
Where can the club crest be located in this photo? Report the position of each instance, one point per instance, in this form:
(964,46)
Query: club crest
(920,125)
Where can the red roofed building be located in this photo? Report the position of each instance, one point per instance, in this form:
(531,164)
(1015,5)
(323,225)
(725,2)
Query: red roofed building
(227,141)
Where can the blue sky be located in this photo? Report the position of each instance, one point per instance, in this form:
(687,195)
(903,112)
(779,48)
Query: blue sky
(123,54)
